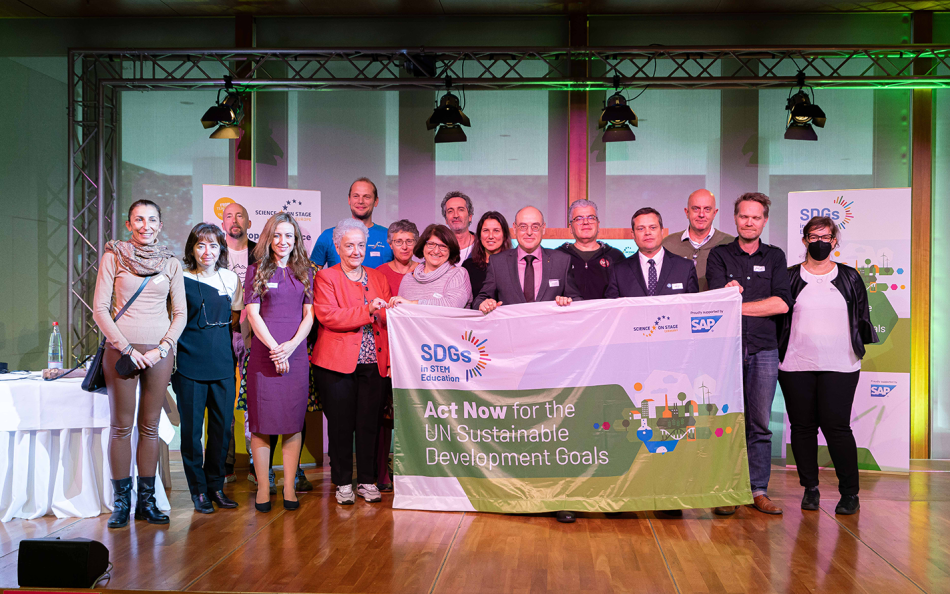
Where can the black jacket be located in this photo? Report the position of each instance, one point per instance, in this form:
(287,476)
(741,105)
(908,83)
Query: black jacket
(251,259)
(851,286)
(677,275)
(590,275)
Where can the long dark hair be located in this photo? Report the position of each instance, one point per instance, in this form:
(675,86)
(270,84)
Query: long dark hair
(298,263)
(479,256)
(205,231)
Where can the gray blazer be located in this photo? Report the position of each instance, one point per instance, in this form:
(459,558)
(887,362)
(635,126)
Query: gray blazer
(502,284)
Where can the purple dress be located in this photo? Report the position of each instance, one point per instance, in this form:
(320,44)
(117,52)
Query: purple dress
(276,404)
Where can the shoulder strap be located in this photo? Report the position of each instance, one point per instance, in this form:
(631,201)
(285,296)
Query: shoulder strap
(129,302)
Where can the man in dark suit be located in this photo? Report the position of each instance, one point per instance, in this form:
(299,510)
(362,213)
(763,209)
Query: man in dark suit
(529,273)
(652,270)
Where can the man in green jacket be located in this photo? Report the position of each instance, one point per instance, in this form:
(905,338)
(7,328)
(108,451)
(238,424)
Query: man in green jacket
(700,237)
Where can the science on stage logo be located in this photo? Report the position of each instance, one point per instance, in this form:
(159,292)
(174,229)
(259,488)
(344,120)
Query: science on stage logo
(839,211)
(880,389)
(447,362)
(663,325)
(701,322)
(295,208)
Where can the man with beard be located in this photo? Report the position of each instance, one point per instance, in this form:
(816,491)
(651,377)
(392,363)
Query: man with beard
(458,211)
(363,199)
(235,223)
(590,259)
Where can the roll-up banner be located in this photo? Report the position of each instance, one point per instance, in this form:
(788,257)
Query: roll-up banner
(608,405)
(874,238)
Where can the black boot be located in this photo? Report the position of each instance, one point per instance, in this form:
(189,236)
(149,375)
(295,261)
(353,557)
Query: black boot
(145,507)
(122,491)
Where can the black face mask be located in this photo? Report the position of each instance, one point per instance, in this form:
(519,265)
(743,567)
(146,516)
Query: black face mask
(819,250)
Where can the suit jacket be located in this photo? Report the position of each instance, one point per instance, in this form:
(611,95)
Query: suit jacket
(502,284)
(338,306)
(251,258)
(625,279)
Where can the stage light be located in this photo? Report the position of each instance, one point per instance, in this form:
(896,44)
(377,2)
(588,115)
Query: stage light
(802,113)
(448,118)
(226,114)
(617,118)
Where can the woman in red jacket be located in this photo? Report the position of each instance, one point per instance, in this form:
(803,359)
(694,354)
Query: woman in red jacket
(351,358)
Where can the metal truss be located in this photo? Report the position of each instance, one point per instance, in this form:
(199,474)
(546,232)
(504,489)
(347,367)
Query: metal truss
(97,77)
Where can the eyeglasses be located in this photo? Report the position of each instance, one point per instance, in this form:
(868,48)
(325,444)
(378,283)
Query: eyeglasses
(813,238)
(588,219)
(404,242)
(204,312)
(436,247)
(523,227)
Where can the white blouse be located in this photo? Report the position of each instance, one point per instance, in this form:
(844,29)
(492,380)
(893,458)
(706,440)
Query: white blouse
(821,335)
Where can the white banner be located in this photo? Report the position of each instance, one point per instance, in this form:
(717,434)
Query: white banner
(261,204)
(603,405)
(874,237)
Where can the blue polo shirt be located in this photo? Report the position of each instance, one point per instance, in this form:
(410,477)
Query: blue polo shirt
(378,251)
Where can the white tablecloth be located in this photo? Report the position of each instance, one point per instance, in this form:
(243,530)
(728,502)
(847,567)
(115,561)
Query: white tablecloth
(54,450)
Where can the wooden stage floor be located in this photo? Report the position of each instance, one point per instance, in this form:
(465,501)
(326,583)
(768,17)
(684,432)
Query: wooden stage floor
(898,542)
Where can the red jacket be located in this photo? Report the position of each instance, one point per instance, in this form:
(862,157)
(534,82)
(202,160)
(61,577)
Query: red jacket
(339,309)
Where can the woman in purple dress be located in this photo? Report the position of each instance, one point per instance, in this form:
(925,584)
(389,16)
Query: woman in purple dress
(278,296)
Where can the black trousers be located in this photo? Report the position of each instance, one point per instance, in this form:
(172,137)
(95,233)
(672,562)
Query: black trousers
(822,400)
(351,402)
(204,471)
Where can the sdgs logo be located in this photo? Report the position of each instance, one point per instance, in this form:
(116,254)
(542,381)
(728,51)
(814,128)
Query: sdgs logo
(445,362)
(882,389)
(840,212)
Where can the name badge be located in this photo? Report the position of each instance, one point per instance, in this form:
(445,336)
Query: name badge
(437,295)
(374,254)
(222,293)
(677,286)
(554,282)
(159,279)
(758,268)
(271,285)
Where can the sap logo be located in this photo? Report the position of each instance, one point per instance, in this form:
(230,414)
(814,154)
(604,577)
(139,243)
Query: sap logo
(440,352)
(703,324)
(882,390)
(808,213)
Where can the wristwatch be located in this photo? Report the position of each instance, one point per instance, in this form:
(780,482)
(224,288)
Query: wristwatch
(162,351)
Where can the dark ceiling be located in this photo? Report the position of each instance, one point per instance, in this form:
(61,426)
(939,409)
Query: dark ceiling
(197,8)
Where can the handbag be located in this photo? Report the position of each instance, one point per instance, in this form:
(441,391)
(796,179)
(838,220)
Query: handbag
(95,380)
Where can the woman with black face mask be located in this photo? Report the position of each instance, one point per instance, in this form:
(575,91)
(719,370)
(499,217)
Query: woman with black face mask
(821,343)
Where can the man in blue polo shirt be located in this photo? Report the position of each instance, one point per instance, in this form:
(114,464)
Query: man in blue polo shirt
(363,199)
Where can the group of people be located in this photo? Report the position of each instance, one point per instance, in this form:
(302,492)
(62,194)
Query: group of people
(309,331)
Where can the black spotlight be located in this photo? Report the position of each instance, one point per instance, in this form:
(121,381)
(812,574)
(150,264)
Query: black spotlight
(226,114)
(448,118)
(802,113)
(617,118)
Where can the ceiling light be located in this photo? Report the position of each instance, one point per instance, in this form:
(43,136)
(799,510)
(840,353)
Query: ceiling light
(617,118)
(226,114)
(802,113)
(448,118)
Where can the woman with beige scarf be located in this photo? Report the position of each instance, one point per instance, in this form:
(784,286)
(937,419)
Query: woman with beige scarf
(145,338)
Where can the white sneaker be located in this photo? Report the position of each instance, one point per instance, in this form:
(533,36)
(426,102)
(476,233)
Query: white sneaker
(344,495)
(369,492)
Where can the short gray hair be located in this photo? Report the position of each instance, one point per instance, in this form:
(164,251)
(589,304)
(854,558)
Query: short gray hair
(347,225)
(457,194)
(582,203)
(402,226)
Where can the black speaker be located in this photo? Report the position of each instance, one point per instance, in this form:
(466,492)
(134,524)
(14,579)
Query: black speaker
(56,563)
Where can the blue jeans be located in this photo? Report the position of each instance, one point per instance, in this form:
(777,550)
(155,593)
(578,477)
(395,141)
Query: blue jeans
(759,377)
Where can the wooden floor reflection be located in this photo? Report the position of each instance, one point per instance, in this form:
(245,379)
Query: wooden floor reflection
(899,542)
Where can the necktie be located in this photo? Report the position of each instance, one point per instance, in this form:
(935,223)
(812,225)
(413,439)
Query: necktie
(529,279)
(651,278)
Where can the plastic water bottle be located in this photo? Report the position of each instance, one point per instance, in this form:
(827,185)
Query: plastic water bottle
(55,348)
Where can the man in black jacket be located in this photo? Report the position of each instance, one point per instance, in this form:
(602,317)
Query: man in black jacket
(652,270)
(590,259)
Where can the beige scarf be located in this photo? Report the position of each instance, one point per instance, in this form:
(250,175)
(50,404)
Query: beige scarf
(140,260)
